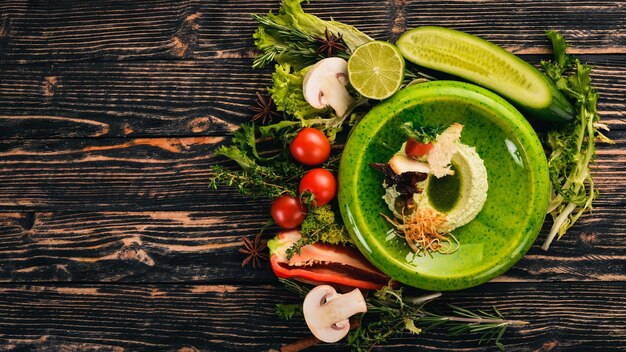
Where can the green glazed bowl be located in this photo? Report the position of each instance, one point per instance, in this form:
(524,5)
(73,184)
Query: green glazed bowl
(517,199)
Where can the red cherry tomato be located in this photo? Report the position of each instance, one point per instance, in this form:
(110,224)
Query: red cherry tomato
(415,149)
(310,147)
(321,183)
(288,212)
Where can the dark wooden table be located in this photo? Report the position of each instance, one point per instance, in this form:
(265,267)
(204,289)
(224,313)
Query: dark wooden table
(110,239)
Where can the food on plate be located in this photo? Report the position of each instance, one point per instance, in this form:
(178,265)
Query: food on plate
(327,312)
(518,184)
(322,263)
(432,193)
(376,70)
(486,64)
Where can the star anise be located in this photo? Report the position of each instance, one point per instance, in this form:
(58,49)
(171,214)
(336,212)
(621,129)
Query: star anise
(264,109)
(255,251)
(331,43)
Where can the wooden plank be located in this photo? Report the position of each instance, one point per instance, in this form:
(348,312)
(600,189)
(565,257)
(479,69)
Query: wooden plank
(202,246)
(118,30)
(132,247)
(164,174)
(187,98)
(128,99)
(109,30)
(572,316)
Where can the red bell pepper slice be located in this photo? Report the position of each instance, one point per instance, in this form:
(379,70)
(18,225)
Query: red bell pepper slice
(322,263)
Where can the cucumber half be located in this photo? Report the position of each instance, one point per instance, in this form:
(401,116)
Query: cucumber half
(484,63)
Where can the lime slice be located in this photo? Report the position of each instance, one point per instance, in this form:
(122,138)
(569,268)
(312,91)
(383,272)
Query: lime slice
(376,70)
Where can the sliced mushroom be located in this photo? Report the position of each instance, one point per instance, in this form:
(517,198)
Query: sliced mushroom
(325,85)
(327,313)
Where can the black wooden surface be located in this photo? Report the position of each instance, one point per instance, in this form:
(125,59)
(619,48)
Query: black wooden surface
(110,239)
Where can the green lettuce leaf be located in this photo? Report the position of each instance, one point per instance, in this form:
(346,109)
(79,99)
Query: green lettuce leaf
(288,96)
(292,15)
(572,146)
(292,36)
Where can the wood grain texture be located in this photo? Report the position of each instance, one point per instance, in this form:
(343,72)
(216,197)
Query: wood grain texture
(118,30)
(574,316)
(519,25)
(178,98)
(110,239)
(160,246)
(128,99)
(165,174)
(183,246)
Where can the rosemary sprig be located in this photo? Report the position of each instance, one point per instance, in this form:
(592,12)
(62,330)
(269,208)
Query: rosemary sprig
(390,313)
(294,287)
(292,42)
(492,326)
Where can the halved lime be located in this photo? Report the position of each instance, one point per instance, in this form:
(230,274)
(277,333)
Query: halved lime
(376,70)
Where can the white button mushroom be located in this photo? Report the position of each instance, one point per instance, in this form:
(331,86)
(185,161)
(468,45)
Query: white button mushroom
(327,313)
(325,84)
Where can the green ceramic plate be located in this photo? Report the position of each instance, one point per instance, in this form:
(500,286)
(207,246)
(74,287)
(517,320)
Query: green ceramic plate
(517,199)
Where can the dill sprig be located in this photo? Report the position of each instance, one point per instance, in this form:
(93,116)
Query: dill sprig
(390,313)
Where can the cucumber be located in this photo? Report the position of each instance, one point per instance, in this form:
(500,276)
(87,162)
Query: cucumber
(486,64)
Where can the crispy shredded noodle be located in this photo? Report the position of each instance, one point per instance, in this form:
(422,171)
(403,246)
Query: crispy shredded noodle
(419,229)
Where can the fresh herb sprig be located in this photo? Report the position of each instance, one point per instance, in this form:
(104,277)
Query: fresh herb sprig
(390,313)
(259,176)
(296,44)
(572,147)
(422,134)
(256,182)
(491,325)
(288,311)
(292,42)
(320,225)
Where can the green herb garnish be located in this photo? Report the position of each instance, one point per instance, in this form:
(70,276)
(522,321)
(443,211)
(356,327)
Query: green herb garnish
(295,37)
(259,176)
(288,311)
(320,225)
(572,145)
(422,134)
